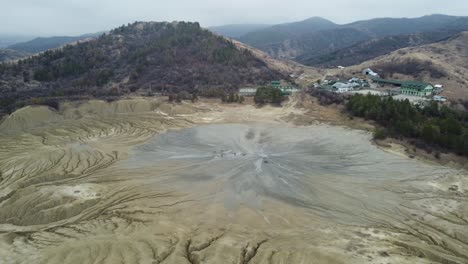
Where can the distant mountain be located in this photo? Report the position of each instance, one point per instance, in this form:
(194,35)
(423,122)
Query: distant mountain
(158,57)
(381,27)
(317,41)
(314,44)
(282,32)
(42,44)
(370,49)
(10,39)
(236,31)
(9,55)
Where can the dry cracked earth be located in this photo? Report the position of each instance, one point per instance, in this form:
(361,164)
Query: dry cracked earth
(143,181)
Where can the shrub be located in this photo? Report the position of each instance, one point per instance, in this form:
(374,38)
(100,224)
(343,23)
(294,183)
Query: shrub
(326,97)
(268,95)
(380,133)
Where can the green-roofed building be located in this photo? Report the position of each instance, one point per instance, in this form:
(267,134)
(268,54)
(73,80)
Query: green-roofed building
(285,89)
(417,89)
(276,84)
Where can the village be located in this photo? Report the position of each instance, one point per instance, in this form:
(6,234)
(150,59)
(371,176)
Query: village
(369,82)
(418,93)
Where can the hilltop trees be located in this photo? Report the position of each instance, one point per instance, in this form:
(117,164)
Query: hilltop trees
(144,48)
(179,56)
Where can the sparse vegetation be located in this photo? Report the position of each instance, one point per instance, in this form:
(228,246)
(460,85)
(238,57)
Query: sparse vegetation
(181,96)
(232,98)
(326,97)
(380,133)
(411,67)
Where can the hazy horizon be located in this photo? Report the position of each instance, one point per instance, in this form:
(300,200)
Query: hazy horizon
(54,17)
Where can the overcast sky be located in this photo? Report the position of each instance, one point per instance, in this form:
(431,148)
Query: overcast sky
(73,17)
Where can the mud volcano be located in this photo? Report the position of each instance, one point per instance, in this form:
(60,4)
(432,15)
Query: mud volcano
(139,181)
(334,172)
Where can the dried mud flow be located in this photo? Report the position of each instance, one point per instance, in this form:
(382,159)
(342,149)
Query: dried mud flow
(143,181)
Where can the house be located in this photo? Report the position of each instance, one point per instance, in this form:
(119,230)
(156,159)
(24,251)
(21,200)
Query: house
(358,83)
(370,72)
(247,91)
(286,89)
(340,87)
(439,88)
(439,98)
(276,84)
(372,92)
(417,89)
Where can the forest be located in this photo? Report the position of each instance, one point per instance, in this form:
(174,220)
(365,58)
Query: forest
(433,127)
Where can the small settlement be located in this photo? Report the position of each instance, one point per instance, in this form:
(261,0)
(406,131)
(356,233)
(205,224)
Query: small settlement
(416,92)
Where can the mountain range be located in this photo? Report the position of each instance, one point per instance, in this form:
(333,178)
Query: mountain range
(18,48)
(8,39)
(237,30)
(314,42)
(183,57)
(42,44)
(322,43)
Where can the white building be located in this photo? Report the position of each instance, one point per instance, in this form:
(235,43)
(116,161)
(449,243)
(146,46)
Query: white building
(370,72)
(372,92)
(340,87)
(247,91)
(439,98)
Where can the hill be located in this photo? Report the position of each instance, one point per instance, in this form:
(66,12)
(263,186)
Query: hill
(237,30)
(42,44)
(157,57)
(9,55)
(316,41)
(369,49)
(444,62)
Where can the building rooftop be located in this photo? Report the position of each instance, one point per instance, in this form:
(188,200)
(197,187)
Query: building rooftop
(415,85)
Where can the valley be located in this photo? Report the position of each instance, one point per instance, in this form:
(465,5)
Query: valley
(262,143)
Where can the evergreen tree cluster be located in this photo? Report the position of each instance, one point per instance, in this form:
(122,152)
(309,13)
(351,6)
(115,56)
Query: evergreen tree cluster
(268,95)
(433,126)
